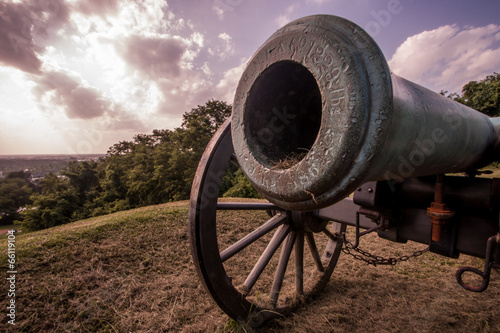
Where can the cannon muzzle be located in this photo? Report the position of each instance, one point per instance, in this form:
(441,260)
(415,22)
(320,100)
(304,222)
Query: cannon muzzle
(317,113)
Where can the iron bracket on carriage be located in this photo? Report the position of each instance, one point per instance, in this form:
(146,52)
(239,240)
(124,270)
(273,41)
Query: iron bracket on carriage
(332,139)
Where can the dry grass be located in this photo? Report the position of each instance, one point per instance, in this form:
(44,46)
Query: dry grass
(132,272)
(290,160)
(126,272)
(420,295)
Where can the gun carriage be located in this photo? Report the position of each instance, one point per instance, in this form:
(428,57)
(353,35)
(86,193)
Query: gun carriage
(318,116)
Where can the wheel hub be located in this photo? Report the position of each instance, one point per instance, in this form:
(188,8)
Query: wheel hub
(308,221)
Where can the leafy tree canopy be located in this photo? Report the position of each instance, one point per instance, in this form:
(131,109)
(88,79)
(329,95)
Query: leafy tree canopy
(15,192)
(483,96)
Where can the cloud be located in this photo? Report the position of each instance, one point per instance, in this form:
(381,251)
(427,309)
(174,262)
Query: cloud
(114,68)
(164,70)
(97,7)
(158,57)
(66,90)
(448,57)
(224,48)
(227,85)
(220,7)
(17,47)
(23,26)
(286,17)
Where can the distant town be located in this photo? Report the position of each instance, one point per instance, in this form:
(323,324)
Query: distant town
(40,165)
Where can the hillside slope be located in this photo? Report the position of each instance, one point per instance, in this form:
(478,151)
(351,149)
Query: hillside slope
(132,272)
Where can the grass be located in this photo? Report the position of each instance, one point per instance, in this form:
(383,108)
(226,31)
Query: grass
(7,227)
(132,272)
(129,271)
(3,228)
(290,160)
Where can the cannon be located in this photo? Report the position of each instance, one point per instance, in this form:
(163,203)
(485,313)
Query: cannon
(332,139)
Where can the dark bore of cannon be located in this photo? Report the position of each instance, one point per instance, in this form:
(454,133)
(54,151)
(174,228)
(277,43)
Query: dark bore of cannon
(283,135)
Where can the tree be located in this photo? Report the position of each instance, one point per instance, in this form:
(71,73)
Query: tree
(55,205)
(114,179)
(483,96)
(85,178)
(15,192)
(241,187)
(140,175)
(177,158)
(151,169)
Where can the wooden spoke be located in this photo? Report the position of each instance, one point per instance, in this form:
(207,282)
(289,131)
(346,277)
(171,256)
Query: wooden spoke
(286,251)
(314,251)
(299,263)
(264,259)
(273,223)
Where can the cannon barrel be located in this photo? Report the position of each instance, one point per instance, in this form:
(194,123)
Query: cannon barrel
(317,113)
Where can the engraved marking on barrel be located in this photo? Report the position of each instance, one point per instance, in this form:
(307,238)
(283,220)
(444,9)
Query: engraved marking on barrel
(302,41)
(281,48)
(292,48)
(325,63)
(336,96)
(313,43)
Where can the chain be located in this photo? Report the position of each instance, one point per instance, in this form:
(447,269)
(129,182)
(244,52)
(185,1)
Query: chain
(374,260)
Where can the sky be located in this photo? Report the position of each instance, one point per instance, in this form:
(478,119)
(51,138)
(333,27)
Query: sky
(77,76)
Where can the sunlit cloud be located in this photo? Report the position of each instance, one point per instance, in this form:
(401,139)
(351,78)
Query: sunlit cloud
(448,57)
(97,7)
(118,67)
(68,91)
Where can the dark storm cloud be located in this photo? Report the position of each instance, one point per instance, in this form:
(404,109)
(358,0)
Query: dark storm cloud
(154,56)
(21,27)
(97,7)
(69,92)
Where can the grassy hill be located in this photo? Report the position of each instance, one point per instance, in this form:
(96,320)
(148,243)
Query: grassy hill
(132,272)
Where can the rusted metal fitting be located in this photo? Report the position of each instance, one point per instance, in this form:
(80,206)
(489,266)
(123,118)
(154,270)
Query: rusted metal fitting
(438,211)
(439,214)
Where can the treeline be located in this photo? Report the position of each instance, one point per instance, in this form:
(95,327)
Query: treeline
(151,169)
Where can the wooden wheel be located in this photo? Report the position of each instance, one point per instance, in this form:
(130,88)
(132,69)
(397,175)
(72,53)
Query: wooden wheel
(255,269)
